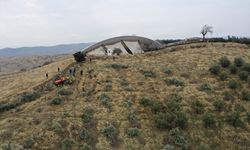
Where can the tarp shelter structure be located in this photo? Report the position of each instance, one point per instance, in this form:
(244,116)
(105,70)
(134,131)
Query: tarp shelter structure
(127,44)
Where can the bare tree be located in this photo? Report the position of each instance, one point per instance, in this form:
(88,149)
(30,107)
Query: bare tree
(206,29)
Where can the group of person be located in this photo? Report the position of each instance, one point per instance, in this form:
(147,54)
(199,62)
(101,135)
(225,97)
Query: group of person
(72,71)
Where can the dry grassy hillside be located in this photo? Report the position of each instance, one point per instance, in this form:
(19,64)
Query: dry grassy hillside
(15,83)
(165,99)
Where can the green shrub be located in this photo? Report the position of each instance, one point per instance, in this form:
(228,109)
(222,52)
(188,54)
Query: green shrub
(174,81)
(28,143)
(224,62)
(106,101)
(128,103)
(245,95)
(232,84)
(156,106)
(228,96)
(205,87)
(246,67)
(208,120)
(56,101)
(67,144)
(118,66)
(215,69)
(147,73)
(239,108)
(133,132)
(146,101)
(65,91)
(223,76)
(49,87)
(57,127)
(164,120)
(197,106)
(239,61)
(168,71)
(110,132)
(133,119)
(171,120)
(117,51)
(248,117)
(234,119)
(181,120)
(28,97)
(233,69)
(176,138)
(84,134)
(173,106)
(7,106)
(219,105)
(70,80)
(87,115)
(108,85)
(86,147)
(79,56)
(175,97)
(243,75)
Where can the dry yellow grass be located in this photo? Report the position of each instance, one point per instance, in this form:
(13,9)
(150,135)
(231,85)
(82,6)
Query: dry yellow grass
(188,63)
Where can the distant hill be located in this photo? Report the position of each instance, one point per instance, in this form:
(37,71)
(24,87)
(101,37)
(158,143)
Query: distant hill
(43,50)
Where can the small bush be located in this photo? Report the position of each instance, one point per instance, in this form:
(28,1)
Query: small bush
(28,143)
(156,106)
(168,71)
(67,144)
(7,106)
(110,132)
(86,147)
(215,69)
(106,101)
(243,75)
(84,134)
(64,91)
(239,108)
(28,97)
(56,101)
(57,127)
(224,62)
(245,95)
(117,51)
(133,132)
(223,76)
(173,106)
(128,103)
(146,101)
(219,105)
(246,67)
(79,56)
(232,84)
(133,119)
(171,120)
(108,85)
(234,119)
(118,66)
(49,87)
(228,96)
(239,61)
(197,106)
(175,82)
(87,115)
(205,87)
(175,137)
(147,73)
(208,120)
(70,80)
(233,69)
(181,120)
(248,117)
(164,120)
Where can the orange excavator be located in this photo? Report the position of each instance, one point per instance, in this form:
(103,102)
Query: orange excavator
(59,80)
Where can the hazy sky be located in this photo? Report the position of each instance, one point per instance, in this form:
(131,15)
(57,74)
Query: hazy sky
(50,22)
